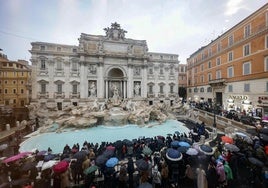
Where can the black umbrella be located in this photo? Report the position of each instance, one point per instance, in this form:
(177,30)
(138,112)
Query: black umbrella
(80,156)
(264,137)
(264,130)
(256,161)
(108,153)
(101,160)
(127,142)
(142,165)
(206,149)
(182,149)
(118,144)
(28,166)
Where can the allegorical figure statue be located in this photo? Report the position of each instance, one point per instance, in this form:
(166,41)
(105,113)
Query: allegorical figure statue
(92,89)
(115,91)
(137,89)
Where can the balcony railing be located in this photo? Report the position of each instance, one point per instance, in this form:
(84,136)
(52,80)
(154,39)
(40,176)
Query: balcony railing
(217,81)
(172,94)
(161,95)
(75,95)
(150,95)
(43,95)
(59,95)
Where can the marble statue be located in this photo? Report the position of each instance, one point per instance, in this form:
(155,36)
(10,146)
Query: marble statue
(137,89)
(92,89)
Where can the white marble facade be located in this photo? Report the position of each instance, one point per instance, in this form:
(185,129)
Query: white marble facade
(102,67)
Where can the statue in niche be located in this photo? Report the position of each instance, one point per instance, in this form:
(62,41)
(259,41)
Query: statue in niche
(137,89)
(92,90)
(115,91)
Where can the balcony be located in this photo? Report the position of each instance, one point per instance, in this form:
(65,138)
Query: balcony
(43,71)
(217,82)
(59,95)
(43,95)
(172,95)
(75,95)
(150,95)
(161,95)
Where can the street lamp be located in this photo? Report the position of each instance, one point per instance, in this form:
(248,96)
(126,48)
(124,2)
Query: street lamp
(214,113)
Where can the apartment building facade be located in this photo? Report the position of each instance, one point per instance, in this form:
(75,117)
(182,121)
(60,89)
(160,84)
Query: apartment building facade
(182,81)
(232,70)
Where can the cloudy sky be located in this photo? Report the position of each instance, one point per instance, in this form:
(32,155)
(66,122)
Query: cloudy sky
(169,26)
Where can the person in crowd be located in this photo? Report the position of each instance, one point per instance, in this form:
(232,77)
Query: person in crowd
(123,177)
(189,176)
(164,174)
(212,176)
(130,171)
(221,173)
(201,178)
(156,177)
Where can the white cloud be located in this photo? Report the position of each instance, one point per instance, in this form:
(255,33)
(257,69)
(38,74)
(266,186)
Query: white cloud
(233,6)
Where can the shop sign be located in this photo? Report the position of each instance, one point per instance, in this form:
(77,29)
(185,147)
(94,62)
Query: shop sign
(238,97)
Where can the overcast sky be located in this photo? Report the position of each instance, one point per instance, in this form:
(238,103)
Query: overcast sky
(168,26)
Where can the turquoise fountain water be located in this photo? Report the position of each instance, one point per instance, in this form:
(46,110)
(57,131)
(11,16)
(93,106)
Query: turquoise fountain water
(56,141)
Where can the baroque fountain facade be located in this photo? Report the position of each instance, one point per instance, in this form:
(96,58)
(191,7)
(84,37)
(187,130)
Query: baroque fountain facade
(106,79)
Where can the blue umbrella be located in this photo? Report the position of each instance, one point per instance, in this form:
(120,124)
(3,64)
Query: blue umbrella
(206,149)
(111,162)
(175,143)
(173,154)
(184,144)
(49,157)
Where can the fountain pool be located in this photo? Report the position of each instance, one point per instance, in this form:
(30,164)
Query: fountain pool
(57,141)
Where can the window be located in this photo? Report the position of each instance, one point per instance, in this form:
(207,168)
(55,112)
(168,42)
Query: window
(209,76)
(266,64)
(202,67)
(59,65)
(74,50)
(5,81)
(5,91)
(209,64)
(58,49)
(14,101)
(22,82)
(230,88)
(150,89)
(246,87)
(22,103)
(161,71)
(246,68)
(231,40)
(22,73)
(218,61)
(218,74)
(266,41)
(246,31)
(210,52)
(59,88)
(195,70)
(14,81)
(195,90)
(202,79)
(74,66)
(266,86)
(7,102)
(171,88)
(151,71)
(0,90)
(190,90)
(42,48)
(14,91)
(246,50)
(43,64)
(230,72)
(161,57)
(209,89)
(202,90)
(266,19)
(75,89)
(43,88)
(230,56)
(21,91)
(219,47)
(161,89)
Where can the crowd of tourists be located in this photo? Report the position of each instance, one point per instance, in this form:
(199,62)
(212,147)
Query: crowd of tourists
(174,160)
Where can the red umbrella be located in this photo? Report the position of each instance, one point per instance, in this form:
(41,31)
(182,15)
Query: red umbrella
(16,157)
(227,139)
(60,167)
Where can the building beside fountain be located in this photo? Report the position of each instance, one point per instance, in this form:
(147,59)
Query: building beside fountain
(110,67)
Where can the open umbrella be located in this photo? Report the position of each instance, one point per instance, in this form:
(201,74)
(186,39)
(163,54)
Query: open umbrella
(147,151)
(48,164)
(227,139)
(101,160)
(3,147)
(206,149)
(241,134)
(80,155)
(110,148)
(231,147)
(49,157)
(108,153)
(17,157)
(256,161)
(28,166)
(142,165)
(60,167)
(43,152)
(182,149)
(185,144)
(175,143)
(111,162)
(90,169)
(127,142)
(173,154)
(191,151)
(264,137)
